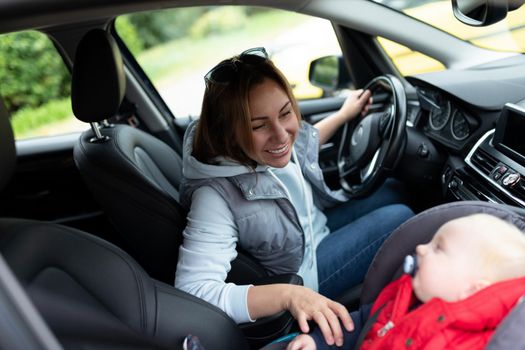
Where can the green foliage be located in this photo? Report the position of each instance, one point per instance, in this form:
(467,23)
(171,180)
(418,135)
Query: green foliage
(167,61)
(128,33)
(218,21)
(29,119)
(31,71)
(157,27)
(253,10)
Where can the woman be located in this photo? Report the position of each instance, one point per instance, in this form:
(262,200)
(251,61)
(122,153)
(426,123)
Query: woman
(244,187)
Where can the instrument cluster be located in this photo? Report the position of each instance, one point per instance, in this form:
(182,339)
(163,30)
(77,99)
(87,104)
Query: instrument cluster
(446,120)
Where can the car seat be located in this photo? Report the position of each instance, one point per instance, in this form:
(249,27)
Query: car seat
(135,177)
(388,262)
(387,265)
(94,295)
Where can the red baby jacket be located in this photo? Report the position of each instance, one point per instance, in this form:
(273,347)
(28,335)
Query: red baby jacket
(436,324)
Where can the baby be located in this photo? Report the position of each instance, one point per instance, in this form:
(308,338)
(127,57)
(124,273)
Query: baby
(468,278)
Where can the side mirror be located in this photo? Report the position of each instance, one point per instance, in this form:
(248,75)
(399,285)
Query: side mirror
(480,13)
(329,73)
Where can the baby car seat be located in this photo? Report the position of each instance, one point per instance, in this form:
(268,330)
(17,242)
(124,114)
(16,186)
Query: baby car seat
(388,262)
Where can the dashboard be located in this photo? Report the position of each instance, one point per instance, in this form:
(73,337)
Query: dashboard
(470,117)
(447,121)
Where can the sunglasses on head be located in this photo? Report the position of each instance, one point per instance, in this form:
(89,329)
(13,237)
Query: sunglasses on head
(224,72)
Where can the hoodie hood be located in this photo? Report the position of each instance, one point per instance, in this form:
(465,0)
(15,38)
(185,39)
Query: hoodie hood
(194,169)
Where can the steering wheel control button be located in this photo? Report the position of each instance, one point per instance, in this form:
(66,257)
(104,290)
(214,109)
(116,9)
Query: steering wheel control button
(510,179)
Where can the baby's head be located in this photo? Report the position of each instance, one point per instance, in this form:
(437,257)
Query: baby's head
(466,255)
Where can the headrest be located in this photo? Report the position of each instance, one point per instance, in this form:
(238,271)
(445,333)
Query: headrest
(7,147)
(98,82)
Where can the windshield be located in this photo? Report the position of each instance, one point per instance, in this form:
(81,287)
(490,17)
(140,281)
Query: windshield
(506,35)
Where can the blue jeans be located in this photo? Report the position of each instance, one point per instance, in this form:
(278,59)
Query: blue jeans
(358,228)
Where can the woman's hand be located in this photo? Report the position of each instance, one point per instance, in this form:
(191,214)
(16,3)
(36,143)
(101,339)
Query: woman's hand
(302,342)
(357,102)
(306,305)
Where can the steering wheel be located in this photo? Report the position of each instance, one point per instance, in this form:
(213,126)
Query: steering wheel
(372,146)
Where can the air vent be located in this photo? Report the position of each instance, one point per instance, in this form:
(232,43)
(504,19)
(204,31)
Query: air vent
(483,161)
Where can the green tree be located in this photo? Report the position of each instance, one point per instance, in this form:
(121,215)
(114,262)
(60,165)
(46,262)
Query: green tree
(158,27)
(31,71)
(218,21)
(128,33)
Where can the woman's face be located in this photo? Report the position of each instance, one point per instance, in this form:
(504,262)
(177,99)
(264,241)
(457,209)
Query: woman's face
(274,124)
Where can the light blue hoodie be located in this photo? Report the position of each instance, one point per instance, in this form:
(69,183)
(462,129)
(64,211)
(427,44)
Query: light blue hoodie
(282,243)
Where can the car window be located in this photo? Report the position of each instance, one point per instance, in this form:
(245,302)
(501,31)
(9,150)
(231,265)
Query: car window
(407,61)
(35,86)
(176,47)
(506,35)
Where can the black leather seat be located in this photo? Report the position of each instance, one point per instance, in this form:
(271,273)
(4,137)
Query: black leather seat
(94,295)
(133,175)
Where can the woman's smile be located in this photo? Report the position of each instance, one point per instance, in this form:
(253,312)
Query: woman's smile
(279,151)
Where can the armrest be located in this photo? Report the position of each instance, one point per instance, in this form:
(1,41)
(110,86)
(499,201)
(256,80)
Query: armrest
(179,313)
(245,270)
(290,278)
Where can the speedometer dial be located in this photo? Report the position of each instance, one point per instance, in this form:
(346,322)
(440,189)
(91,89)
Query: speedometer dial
(439,114)
(460,126)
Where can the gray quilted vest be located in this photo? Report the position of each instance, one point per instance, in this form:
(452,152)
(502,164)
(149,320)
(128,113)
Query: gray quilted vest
(267,223)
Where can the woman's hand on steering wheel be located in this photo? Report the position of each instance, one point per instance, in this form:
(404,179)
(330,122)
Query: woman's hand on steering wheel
(371,148)
(306,305)
(357,103)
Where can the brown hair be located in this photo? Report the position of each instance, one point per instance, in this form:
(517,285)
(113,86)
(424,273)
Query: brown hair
(224,128)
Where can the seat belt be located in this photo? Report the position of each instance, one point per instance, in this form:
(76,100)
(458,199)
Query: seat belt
(366,328)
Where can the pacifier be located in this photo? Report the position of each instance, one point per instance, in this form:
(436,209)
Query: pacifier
(410,265)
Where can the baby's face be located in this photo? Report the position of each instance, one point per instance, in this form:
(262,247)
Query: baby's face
(449,264)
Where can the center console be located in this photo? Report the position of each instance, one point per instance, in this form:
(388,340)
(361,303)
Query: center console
(495,170)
